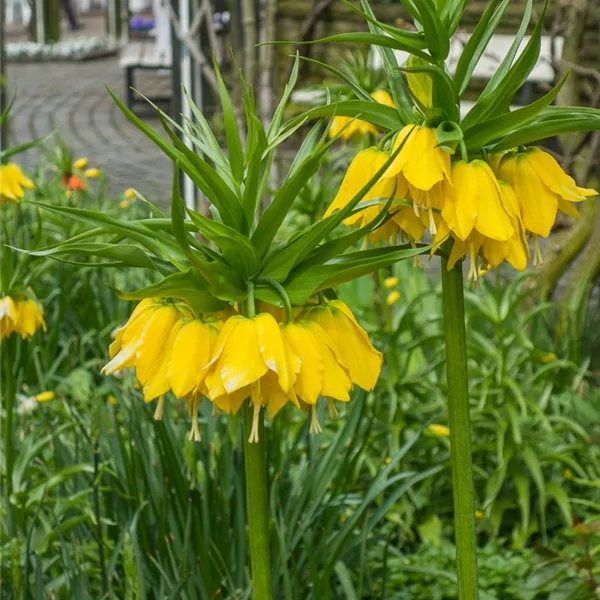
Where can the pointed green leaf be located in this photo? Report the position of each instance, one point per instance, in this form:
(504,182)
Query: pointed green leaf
(188,286)
(234,144)
(236,248)
(477,43)
(479,135)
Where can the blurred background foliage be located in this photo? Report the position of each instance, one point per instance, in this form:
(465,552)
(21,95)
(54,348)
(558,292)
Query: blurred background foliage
(107,503)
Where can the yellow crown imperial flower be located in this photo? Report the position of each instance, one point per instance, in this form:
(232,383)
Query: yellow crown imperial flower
(322,370)
(80,163)
(12,182)
(475,203)
(141,342)
(420,84)
(542,188)
(246,351)
(92,173)
(30,318)
(356,127)
(362,169)
(421,161)
(129,193)
(9,317)
(351,341)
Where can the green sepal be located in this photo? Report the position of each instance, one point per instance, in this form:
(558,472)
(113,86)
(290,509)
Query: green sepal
(449,134)
(188,286)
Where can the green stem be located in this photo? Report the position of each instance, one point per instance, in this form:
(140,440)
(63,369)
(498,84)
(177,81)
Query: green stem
(460,430)
(8,397)
(256,497)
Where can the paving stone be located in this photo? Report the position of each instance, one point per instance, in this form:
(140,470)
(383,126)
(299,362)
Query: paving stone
(70,98)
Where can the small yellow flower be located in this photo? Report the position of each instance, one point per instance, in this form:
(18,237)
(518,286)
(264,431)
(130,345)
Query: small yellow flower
(479,515)
(568,474)
(12,182)
(112,399)
(388,460)
(548,358)
(439,430)
(393,297)
(45,396)
(80,163)
(68,194)
(124,204)
(92,173)
(129,193)
(391,282)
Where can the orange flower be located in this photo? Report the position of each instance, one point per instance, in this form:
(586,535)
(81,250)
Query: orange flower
(73,183)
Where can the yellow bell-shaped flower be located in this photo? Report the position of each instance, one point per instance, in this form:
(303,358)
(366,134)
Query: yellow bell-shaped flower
(351,341)
(142,341)
(9,317)
(542,188)
(356,127)
(30,318)
(474,203)
(421,161)
(12,182)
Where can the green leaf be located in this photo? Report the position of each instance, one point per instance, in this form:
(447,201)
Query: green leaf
(188,286)
(508,78)
(6,154)
(479,135)
(374,39)
(199,171)
(477,44)
(124,254)
(276,212)
(559,495)
(237,250)
(208,180)
(553,120)
(381,116)
(277,119)
(234,144)
(300,286)
(445,95)
(436,35)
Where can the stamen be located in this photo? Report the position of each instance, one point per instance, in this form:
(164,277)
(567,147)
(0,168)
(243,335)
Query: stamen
(432,227)
(216,411)
(195,435)
(158,413)
(416,208)
(255,422)
(315,426)
(538,259)
(473,270)
(333,411)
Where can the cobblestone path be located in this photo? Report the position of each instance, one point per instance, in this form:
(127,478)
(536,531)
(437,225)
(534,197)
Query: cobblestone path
(70,98)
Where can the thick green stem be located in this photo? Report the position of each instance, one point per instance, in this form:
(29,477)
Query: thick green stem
(256,497)
(8,400)
(460,430)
